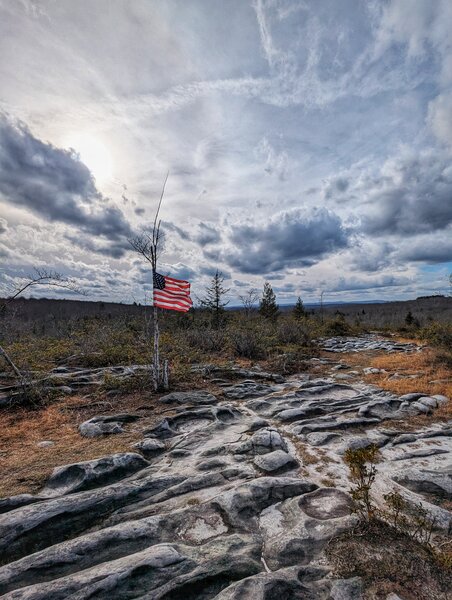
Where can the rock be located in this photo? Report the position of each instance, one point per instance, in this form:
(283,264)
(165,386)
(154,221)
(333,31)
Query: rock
(249,499)
(106,425)
(411,397)
(347,589)
(420,407)
(435,482)
(150,447)
(428,402)
(326,503)
(93,428)
(194,398)
(275,461)
(13,502)
(321,438)
(45,444)
(404,438)
(92,473)
(263,441)
(440,399)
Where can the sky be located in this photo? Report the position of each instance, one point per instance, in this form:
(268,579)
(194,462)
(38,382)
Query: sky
(308,144)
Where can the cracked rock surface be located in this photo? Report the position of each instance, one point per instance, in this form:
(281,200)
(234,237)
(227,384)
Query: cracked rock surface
(232,497)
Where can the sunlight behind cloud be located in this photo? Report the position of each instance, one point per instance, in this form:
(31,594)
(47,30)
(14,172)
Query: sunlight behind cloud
(94,154)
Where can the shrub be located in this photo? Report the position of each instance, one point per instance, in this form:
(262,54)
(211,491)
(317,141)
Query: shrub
(361,462)
(338,326)
(247,343)
(207,340)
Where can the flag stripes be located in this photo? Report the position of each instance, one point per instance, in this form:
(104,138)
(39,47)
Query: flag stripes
(171,293)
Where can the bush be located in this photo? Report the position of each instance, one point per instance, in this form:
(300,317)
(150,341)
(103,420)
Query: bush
(247,343)
(338,326)
(207,340)
(438,334)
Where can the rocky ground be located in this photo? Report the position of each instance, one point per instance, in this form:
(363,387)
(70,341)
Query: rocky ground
(231,496)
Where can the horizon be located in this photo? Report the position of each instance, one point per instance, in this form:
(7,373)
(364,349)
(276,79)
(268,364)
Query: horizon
(308,144)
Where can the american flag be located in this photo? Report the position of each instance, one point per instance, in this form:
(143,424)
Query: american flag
(170,293)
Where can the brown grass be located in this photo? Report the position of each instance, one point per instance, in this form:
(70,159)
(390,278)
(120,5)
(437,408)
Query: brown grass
(428,365)
(25,466)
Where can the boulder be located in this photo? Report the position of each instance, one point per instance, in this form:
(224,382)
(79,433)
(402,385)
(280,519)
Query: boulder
(277,460)
(150,447)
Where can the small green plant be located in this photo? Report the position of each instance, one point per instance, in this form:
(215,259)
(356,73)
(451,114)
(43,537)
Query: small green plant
(361,462)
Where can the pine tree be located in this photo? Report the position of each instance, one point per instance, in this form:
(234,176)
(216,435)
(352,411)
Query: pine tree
(298,310)
(213,300)
(267,306)
(409,319)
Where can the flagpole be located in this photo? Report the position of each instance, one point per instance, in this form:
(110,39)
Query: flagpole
(156,365)
(155,248)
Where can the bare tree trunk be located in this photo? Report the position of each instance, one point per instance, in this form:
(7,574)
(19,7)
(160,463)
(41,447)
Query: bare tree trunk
(165,375)
(13,367)
(156,365)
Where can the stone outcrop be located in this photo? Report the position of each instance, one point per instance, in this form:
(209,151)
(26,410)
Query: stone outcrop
(226,498)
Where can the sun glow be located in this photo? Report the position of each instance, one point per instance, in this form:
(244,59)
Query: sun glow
(94,154)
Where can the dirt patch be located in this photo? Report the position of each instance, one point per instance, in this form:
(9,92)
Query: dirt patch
(389,561)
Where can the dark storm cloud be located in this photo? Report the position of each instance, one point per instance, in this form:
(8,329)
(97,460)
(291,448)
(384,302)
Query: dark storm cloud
(114,249)
(53,183)
(412,196)
(293,238)
(207,235)
(211,271)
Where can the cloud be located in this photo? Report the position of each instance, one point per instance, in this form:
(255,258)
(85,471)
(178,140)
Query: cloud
(292,238)
(207,235)
(275,162)
(429,249)
(54,184)
(440,117)
(410,195)
(362,283)
(3,225)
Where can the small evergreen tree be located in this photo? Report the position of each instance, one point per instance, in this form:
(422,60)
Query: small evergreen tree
(213,300)
(298,310)
(409,319)
(267,306)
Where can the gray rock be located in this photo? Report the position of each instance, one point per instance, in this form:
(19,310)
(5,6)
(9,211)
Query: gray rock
(326,503)
(275,461)
(263,441)
(45,444)
(92,473)
(347,589)
(192,398)
(150,447)
(106,425)
(441,399)
(429,402)
(321,438)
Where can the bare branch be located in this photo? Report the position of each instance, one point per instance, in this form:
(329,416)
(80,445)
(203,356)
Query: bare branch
(47,278)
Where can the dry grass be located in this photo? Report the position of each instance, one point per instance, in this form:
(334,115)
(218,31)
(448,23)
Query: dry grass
(25,466)
(428,368)
(428,365)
